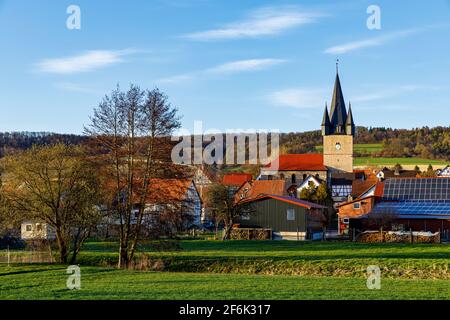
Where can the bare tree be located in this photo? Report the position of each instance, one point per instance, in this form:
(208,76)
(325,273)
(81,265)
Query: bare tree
(131,132)
(221,204)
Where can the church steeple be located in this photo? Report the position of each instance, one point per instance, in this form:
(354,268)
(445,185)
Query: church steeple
(338,114)
(326,122)
(338,131)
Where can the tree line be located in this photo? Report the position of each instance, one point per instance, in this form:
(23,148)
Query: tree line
(14,141)
(425,142)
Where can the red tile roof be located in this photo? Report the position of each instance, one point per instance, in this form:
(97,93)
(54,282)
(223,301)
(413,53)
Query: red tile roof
(379,189)
(298,162)
(254,189)
(236,179)
(360,186)
(167,190)
(159,191)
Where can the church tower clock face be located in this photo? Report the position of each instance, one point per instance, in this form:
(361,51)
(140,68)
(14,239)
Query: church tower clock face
(338,146)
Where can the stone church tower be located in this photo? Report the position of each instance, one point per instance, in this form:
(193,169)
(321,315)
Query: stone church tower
(338,130)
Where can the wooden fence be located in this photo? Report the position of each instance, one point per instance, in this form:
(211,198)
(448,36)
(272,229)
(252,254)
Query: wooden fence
(25,256)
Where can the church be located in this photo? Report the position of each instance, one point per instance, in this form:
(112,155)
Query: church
(335,166)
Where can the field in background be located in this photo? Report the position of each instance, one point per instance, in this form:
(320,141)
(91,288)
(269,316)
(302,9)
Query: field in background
(390,162)
(370,148)
(362,148)
(49,282)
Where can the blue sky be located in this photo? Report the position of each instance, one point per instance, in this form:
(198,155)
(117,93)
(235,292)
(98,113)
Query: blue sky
(231,64)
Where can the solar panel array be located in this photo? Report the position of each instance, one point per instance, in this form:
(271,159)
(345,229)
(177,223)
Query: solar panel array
(413,208)
(417,189)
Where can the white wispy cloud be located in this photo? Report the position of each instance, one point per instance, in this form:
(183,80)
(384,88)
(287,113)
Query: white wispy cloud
(177,78)
(393,91)
(262,22)
(84,62)
(371,42)
(245,65)
(76,87)
(301,98)
(225,68)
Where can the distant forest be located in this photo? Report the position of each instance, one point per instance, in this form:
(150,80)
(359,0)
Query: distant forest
(13,141)
(428,143)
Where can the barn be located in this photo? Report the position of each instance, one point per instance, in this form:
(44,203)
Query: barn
(288,218)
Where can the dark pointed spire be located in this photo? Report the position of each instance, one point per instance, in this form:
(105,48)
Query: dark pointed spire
(326,117)
(338,121)
(349,124)
(326,122)
(338,114)
(349,115)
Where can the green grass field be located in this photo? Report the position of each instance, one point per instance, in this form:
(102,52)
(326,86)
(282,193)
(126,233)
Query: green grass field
(363,148)
(393,161)
(290,258)
(377,147)
(244,270)
(49,282)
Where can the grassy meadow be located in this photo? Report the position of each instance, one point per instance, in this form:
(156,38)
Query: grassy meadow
(48,282)
(207,269)
(362,148)
(390,162)
(372,148)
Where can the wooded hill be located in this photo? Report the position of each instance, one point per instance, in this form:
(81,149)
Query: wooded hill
(427,143)
(11,141)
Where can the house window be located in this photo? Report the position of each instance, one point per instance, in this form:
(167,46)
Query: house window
(245,216)
(290,214)
(39,227)
(28,227)
(293,178)
(356,205)
(346,221)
